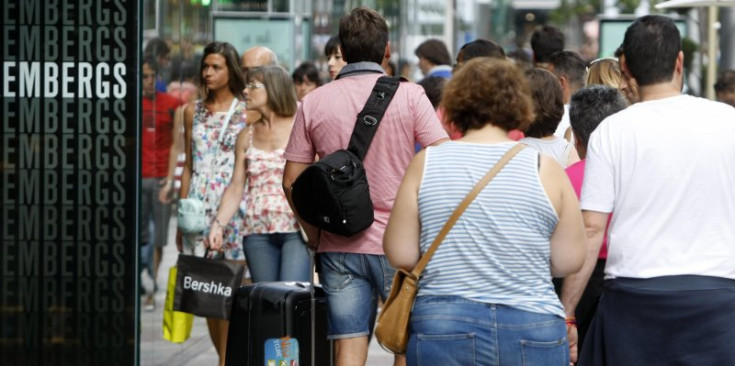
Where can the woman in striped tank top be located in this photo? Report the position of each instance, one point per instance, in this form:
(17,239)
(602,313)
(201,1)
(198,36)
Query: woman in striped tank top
(486,296)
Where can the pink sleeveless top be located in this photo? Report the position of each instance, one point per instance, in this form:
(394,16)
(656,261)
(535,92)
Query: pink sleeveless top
(267,208)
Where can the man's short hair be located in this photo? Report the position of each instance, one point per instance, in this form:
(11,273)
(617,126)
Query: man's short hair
(545,41)
(363,36)
(481,48)
(435,51)
(651,46)
(548,102)
(571,66)
(590,105)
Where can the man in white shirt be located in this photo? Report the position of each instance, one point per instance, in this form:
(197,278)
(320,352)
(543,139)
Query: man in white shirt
(665,166)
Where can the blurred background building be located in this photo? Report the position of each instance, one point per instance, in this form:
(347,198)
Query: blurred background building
(298,30)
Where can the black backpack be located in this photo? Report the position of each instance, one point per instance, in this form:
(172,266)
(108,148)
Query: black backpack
(333,193)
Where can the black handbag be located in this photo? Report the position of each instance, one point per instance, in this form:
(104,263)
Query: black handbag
(333,194)
(205,286)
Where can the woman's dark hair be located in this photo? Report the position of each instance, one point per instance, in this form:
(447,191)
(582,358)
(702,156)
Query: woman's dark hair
(548,102)
(306,71)
(236,81)
(332,46)
(435,51)
(488,91)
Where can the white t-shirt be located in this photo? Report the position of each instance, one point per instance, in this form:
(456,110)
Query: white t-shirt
(557,148)
(564,124)
(667,170)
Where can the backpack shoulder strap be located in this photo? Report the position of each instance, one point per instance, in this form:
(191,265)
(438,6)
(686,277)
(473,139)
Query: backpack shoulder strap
(369,118)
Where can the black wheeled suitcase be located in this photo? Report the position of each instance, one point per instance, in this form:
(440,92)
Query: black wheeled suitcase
(274,310)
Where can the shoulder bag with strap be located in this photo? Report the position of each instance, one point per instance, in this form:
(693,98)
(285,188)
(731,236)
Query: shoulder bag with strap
(392,325)
(333,193)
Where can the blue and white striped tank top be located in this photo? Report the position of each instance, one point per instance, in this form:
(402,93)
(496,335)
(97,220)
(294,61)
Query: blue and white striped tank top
(498,251)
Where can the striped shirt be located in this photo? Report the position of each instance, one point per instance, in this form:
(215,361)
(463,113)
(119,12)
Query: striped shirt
(498,251)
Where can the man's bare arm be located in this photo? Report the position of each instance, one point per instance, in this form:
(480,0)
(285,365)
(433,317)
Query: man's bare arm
(574,285)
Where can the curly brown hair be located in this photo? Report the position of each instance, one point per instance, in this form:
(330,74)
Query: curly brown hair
(488,91)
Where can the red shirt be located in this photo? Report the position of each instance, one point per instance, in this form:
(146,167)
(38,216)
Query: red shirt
(157,133)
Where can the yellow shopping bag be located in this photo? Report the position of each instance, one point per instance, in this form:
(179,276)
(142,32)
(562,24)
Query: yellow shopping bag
(176,325)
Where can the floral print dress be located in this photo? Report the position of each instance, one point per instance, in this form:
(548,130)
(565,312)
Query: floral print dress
(212,168)
(267,208)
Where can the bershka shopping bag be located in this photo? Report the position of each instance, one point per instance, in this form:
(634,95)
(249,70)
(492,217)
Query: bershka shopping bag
(176,325)
(205,286)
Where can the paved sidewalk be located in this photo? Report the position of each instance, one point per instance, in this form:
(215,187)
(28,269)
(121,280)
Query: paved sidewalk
(198,349)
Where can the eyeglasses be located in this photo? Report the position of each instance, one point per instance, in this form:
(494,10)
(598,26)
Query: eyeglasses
(254,85)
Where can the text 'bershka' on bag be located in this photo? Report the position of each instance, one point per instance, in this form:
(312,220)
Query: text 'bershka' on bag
(214,288)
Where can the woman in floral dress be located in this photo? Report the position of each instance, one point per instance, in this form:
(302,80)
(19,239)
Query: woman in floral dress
(273,245)
(210,158)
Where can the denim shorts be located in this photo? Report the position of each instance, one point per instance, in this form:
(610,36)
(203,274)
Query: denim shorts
(350,282)
(449,330)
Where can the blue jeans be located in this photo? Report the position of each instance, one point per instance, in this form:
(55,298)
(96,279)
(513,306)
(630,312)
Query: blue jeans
(350,282)
(449,330)
(277,257)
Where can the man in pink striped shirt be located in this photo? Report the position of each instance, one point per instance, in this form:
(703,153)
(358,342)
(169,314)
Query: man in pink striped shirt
(353,268)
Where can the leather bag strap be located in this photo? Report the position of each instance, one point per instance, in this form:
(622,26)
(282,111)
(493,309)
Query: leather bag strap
(369,118)
(463,205)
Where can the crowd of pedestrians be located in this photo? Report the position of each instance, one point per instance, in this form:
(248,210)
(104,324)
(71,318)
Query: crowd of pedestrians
(607,240)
